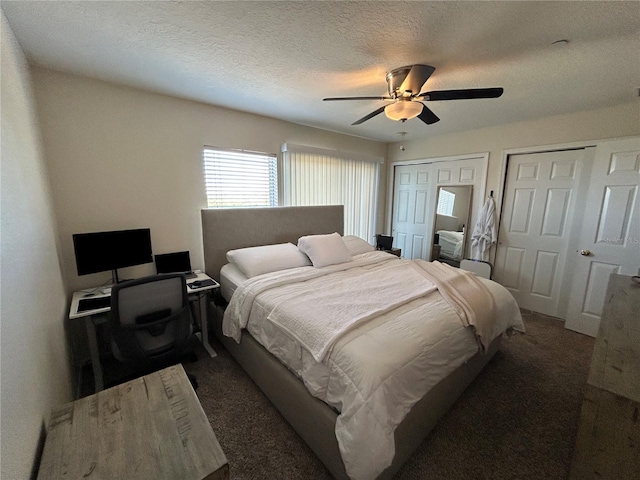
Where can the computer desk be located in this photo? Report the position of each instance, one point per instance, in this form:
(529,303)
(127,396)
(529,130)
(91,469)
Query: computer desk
(96,317)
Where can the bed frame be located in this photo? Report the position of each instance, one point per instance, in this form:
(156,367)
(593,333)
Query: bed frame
(312,419)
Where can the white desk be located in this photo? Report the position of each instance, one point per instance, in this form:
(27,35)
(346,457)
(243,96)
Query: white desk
(96,317)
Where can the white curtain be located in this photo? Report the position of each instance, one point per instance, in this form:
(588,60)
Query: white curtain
(319,177)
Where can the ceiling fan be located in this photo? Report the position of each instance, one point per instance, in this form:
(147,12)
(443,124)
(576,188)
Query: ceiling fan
(404,85)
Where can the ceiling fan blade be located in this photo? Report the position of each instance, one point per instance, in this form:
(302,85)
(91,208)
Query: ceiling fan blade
(416,78)
(371,115)
(427,116)
(465,94)
(333,99)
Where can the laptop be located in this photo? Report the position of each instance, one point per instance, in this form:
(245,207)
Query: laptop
(177,262)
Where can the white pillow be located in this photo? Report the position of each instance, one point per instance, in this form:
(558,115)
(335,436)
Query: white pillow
(356,245)
(324,250)
(255,261)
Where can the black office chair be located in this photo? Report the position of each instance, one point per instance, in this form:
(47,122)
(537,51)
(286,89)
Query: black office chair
(150,322)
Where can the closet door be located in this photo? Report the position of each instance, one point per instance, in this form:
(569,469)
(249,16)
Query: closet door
(569,220)
(414,199)
(470,172)
(538,210)
(609,233)
(412,206)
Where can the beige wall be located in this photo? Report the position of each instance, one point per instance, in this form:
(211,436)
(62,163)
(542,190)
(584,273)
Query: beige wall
(35,371)
(125,158)
(612,122)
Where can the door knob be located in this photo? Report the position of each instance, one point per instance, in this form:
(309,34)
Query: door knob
(586,253)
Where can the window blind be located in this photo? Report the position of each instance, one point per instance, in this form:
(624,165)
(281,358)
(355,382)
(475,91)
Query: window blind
(317,177)
(446,201)
(237,178)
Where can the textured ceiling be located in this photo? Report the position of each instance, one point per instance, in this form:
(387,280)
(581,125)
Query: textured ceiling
(280,59)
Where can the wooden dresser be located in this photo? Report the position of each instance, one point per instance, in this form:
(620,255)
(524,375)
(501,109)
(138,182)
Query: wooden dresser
(152,427)
(608,442)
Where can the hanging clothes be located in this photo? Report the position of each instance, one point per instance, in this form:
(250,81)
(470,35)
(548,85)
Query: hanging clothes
(484,233)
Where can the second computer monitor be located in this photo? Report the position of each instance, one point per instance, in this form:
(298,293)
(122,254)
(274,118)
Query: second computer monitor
(384,242)
(177,262)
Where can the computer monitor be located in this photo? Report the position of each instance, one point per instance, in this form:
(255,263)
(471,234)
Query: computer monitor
(384,242)
(178,262)
(104,251)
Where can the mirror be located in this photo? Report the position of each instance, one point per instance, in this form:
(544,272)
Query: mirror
(453,212)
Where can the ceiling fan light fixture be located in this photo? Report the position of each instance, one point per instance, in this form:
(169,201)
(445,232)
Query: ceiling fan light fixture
(404,85)
(403,110)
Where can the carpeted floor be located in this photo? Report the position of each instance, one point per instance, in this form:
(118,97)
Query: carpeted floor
(518,420)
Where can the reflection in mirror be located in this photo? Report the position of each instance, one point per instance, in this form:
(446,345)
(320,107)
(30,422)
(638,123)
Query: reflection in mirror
(453,212)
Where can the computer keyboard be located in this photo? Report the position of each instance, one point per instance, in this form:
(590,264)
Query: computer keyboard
(93,303)
(201,283)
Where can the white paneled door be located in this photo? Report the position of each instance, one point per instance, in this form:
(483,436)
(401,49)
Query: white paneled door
(411,210)
(609,238)
(569,219)
(414,199)
(539,203)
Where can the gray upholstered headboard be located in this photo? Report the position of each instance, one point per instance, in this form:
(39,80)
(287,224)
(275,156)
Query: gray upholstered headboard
(225,229)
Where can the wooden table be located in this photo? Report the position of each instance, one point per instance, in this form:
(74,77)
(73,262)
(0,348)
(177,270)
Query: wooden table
(608,441)
(150,428)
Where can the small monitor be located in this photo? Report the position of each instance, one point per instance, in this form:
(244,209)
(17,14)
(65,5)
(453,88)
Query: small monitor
(104,251)
(384,242)
(178,262)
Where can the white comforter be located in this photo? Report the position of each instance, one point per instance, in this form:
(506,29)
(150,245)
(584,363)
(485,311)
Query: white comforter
(370,355)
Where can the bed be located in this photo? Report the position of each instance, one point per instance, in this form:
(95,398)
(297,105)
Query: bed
(324,417)
(451,243)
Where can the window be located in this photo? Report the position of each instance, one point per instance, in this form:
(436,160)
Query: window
(237,178)
(445,202)
(314,176)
